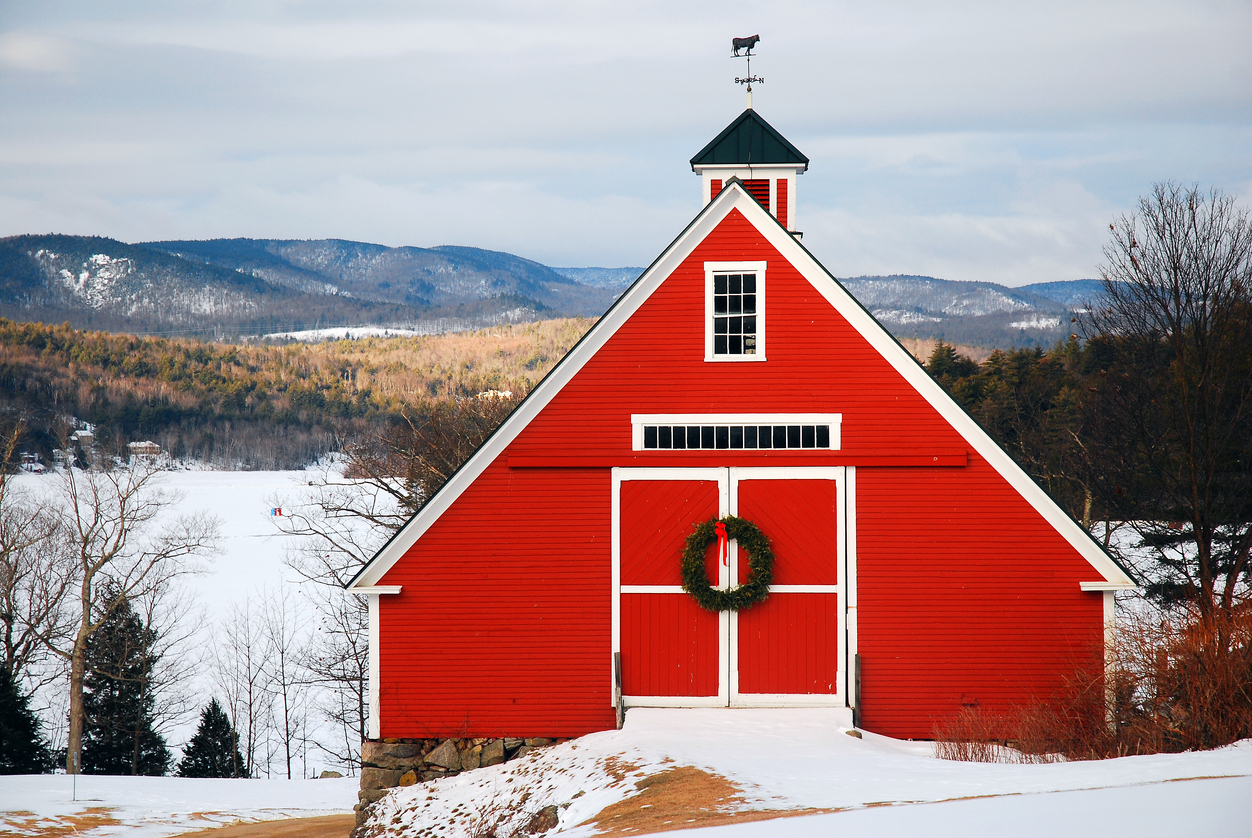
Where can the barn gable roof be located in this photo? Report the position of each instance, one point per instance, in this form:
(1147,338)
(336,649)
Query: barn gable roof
(735,197)
(747,141)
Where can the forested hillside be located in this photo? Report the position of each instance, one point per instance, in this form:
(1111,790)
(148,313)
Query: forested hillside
(254,406)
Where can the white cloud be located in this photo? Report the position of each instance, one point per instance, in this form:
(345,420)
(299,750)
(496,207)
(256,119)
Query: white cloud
(35,52)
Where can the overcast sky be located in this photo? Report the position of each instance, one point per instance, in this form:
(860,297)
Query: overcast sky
(977,142)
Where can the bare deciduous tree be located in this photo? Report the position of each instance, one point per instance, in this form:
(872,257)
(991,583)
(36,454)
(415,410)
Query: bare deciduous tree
(240,667)
(116,553)
(284,627)
(34,580)
(1170,425)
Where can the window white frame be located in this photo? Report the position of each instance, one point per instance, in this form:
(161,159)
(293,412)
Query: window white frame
(712,268)
(639,420)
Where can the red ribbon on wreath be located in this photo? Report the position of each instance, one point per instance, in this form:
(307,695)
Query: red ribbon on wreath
(723,544)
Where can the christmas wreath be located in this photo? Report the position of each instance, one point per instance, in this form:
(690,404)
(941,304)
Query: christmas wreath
(760,561)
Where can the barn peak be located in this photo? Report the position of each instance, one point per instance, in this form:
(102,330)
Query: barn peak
(752,150)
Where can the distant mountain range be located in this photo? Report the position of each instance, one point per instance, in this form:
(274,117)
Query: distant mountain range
(233,287)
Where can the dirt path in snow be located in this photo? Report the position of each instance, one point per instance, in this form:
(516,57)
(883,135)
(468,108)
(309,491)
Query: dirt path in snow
(326,826)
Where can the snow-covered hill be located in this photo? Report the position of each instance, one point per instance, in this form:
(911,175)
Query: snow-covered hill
(723,773)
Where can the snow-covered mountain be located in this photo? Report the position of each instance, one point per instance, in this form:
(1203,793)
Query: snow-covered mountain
(267,286)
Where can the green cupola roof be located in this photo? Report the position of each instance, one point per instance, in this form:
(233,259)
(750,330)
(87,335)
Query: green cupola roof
(749,141)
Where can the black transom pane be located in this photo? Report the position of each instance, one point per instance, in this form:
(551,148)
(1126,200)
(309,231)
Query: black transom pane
(649,437)
(706,436)
(723,436)
(666,437)
(823,436)
(734,295)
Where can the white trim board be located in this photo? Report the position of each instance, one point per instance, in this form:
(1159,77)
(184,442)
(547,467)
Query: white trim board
(734,197)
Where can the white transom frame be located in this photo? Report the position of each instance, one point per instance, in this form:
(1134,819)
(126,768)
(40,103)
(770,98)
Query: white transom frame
(710,270)
(639,420)
(728,480)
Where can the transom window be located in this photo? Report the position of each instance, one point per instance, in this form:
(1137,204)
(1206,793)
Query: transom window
(734,314)
(709,432)
(734,311)
(680,437)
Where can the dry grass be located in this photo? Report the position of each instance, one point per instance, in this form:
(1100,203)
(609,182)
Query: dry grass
(921,349)
(56,826)
(682,798)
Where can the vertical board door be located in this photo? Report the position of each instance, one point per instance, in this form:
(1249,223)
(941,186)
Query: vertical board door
(671,648)
(787,651)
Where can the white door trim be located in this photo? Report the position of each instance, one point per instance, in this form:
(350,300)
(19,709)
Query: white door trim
(727,480)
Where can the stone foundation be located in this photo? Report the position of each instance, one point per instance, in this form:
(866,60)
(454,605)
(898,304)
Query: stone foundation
(393,763)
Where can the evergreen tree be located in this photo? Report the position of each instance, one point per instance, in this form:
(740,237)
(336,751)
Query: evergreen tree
(214,750)
(118,734)
(22,746)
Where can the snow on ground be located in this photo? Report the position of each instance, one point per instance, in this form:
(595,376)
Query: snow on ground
(799,759)
(252,546)
(151,807)
(350,333)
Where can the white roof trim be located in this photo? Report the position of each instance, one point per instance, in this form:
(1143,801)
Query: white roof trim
(734,196)
(375,589)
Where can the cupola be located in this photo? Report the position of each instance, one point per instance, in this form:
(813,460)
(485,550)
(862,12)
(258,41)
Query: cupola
(753,151)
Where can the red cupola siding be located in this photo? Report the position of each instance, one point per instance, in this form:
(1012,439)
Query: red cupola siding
(735,377)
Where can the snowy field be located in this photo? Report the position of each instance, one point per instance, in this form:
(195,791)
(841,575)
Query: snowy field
(151,807)
(776,762)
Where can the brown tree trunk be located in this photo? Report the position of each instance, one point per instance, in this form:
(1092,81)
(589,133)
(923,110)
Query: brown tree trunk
(74,743)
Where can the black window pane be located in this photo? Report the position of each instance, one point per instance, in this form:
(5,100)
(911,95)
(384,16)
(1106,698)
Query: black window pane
(808,436)
(665,437)
(693,436)
(734,325)
(723,436)
(736,436)
(719,325)
(719,305)
(823,436)
(680,437)
(749,325)
(749,436)
(749,303)
(780,436)
(719,344)
(649,436)
(735,345)
(706,436)
(735,305)
(736,283)
(793,436)
(719,284)
(749,283)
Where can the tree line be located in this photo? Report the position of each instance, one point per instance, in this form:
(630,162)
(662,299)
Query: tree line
(253,405)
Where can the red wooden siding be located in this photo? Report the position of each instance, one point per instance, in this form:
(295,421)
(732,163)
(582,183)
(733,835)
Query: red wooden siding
(790,644)
(669,646)
(964,594)
(656,516)
(781,198)
(503,625)
(798,517)
(715,188)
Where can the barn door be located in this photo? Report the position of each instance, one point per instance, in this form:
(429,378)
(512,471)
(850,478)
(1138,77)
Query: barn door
(673,651)
(789,650)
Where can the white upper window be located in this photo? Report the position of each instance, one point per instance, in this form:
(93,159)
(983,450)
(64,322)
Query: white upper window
(734,311)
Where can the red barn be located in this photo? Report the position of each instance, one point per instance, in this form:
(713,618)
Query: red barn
(917,567)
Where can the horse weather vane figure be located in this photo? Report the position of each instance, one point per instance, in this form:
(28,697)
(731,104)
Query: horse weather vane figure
(746,44)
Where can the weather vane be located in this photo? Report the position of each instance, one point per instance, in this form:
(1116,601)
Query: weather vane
(746,44)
